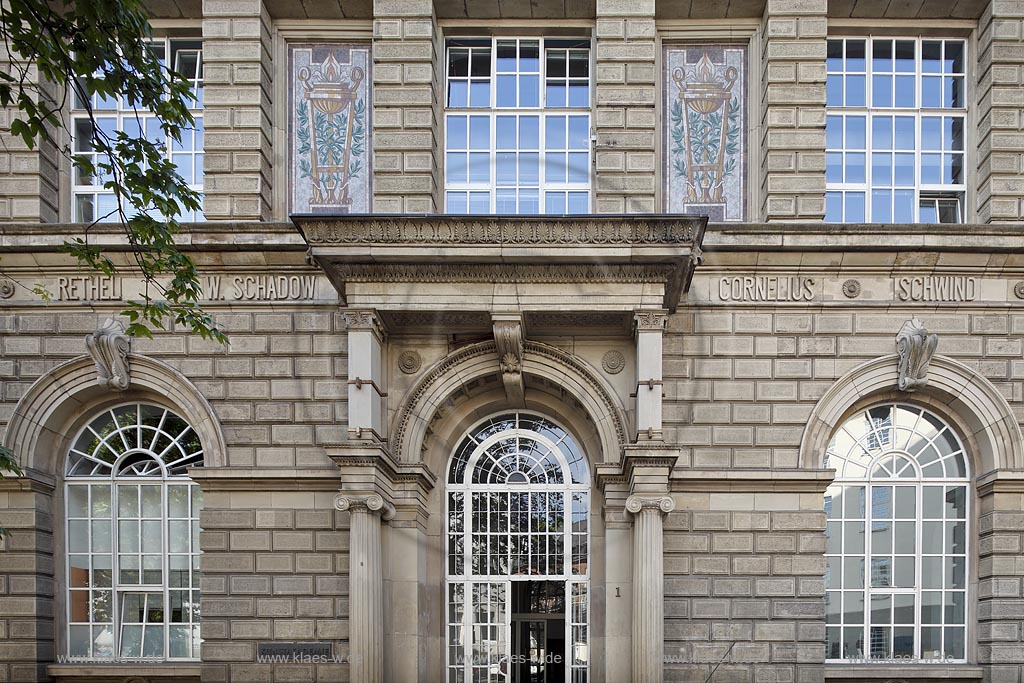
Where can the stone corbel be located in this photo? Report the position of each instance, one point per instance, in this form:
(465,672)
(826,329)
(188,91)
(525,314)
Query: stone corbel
(508,337)
(108,346)
(915,348)
(373,503)
(636,504)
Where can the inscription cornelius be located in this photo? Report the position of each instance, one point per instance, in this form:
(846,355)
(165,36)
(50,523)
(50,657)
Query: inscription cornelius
(764,288)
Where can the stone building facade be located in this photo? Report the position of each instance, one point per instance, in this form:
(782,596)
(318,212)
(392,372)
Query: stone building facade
(626,341)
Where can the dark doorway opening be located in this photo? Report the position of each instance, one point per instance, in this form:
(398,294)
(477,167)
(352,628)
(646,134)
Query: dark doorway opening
(538,632)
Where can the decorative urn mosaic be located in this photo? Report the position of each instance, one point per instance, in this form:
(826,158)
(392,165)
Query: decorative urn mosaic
(329,129)
(705,130)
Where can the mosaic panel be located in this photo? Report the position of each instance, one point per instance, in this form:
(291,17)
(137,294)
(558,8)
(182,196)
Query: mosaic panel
(705,130)
(329,128)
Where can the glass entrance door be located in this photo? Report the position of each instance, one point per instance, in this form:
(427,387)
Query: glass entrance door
(517,535)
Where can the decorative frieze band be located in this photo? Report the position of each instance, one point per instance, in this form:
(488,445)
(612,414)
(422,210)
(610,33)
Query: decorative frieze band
(539,230)
(372,503)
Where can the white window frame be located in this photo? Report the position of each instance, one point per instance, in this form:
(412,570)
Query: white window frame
(195,151)
(577,585)
(919,482)
(921,190)
(113,481)
(542,111)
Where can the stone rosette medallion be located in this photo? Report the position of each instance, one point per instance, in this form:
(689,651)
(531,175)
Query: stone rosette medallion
(329,128)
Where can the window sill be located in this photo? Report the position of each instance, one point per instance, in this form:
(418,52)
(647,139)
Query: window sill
(171,672)
(921,673)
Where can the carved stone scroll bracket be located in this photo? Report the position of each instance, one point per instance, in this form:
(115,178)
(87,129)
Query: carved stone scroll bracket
(508,338)
(635,504)
(373,503)
(108,346)
(915,348)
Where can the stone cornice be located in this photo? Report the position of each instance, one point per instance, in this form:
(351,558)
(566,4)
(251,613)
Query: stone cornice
(447,230)
(750,481)
(265,478)
(377,456)
(799,237)
(207,236)
(32,480)
(443,248)
(1001,481)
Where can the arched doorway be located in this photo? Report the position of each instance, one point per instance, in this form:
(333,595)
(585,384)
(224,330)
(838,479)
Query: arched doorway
(517,539)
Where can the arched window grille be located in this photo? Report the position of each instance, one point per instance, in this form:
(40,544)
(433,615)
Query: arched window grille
(897,527)
(132,536)
(518,500)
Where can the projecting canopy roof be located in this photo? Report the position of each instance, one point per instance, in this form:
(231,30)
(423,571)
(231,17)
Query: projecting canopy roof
(545,263)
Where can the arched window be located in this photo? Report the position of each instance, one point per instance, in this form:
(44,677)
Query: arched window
(897,527)
(518,497)
(132,536)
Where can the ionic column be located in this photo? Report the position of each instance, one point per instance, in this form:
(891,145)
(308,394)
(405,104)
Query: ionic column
(366,585)
(650,329)
(648,586)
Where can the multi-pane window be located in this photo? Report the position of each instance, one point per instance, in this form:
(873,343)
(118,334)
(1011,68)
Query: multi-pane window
(897,529)
(91,201)
(895,130)
(132,528)
(518,505)
(517,126)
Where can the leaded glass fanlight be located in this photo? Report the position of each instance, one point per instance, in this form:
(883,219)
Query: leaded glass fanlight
(132,536)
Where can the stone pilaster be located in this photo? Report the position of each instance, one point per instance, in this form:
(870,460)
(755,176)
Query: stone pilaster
(793,42)
(624,118)
(408,67)
(648,585)
(26,579)
(650,330)
(1000,581)
(237,110)
(28,177)
(366,584)
(366,409)
(1000,117)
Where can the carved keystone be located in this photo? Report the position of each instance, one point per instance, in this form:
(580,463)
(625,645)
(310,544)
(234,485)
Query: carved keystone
(915,348)
(508,338)
(108,346)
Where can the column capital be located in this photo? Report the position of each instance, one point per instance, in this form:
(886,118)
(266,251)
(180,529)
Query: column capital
(636,504)
(653,320)
(373,503)
(363,319)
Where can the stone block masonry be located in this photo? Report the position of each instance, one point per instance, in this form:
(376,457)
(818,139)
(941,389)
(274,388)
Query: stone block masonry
(1000,133)
(625,115)
(793,42)
(237,110)
(408,63)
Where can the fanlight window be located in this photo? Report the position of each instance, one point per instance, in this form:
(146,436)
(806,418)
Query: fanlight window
(897,529)
(132,539)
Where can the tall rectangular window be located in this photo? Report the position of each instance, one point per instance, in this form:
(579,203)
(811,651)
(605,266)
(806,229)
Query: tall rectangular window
(895,130)
(517,126)
(90,200)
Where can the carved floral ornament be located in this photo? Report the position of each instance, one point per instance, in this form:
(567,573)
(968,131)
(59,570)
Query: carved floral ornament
(651,320)
(540,231)
(915,348)
(108,347)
